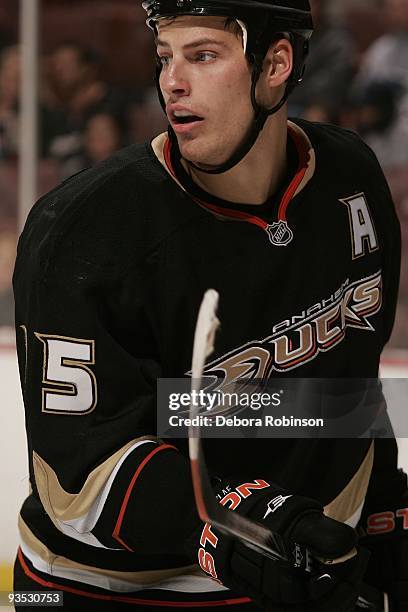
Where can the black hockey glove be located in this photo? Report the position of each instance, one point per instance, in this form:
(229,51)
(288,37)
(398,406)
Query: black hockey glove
(276,585)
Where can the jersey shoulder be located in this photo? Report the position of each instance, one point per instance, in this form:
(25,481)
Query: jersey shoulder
(337,142)
(133,166)
(343,158)
(118,207)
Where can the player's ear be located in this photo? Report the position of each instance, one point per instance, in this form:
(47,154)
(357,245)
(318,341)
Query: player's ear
(278,63)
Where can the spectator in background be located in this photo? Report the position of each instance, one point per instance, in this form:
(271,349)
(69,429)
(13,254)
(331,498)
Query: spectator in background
(387,58)
(77,90)
(9,97)
(7,33)
(385,69)
(145,117)
(374,114)
(330,69)
(49,119)
(73,78)
(103,135)
(7,256)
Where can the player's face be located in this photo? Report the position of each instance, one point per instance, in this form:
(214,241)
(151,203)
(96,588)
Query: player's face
(205,80)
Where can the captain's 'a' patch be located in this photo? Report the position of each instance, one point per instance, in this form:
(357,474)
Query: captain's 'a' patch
(363,235)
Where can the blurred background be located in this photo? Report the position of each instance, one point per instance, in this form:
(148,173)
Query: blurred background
(94,85)
(76,83)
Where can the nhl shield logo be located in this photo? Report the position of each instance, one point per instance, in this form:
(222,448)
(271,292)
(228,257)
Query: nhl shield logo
(280,233)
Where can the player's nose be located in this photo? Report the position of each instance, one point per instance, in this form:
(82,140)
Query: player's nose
(174,80)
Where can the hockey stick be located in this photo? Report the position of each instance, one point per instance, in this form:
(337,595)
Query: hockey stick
(208,508)
(252,533)
(210,511)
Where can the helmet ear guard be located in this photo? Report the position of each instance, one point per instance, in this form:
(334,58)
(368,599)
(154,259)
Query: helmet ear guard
(265,21)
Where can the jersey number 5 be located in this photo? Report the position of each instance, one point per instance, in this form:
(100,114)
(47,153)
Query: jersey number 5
(69,385)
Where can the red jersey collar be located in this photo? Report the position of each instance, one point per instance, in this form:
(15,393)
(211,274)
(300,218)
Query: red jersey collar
(279,232)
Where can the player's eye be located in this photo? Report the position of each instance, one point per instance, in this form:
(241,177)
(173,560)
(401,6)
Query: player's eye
(163,60)
(205,56)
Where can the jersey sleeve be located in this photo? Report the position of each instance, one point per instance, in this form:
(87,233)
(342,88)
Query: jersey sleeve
(390,237)
(387,226)
(89,360)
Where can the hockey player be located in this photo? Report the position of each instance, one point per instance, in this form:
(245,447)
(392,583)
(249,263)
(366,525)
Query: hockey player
(293,224)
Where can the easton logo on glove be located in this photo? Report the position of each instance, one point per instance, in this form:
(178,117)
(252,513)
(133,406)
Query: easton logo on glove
(276,503)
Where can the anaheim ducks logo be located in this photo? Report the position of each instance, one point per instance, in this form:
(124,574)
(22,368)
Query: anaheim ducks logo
(280,233)
(300,339)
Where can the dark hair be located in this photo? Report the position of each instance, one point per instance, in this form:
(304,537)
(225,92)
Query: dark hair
(233,26)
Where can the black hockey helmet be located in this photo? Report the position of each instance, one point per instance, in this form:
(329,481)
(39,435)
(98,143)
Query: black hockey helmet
(264,21)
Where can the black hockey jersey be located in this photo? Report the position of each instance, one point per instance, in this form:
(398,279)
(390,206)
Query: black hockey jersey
(111,269)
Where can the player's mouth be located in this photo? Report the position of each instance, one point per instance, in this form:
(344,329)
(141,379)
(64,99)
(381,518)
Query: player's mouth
(183,121)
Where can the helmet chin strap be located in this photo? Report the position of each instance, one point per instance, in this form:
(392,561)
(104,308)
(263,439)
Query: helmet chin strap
(260,116)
